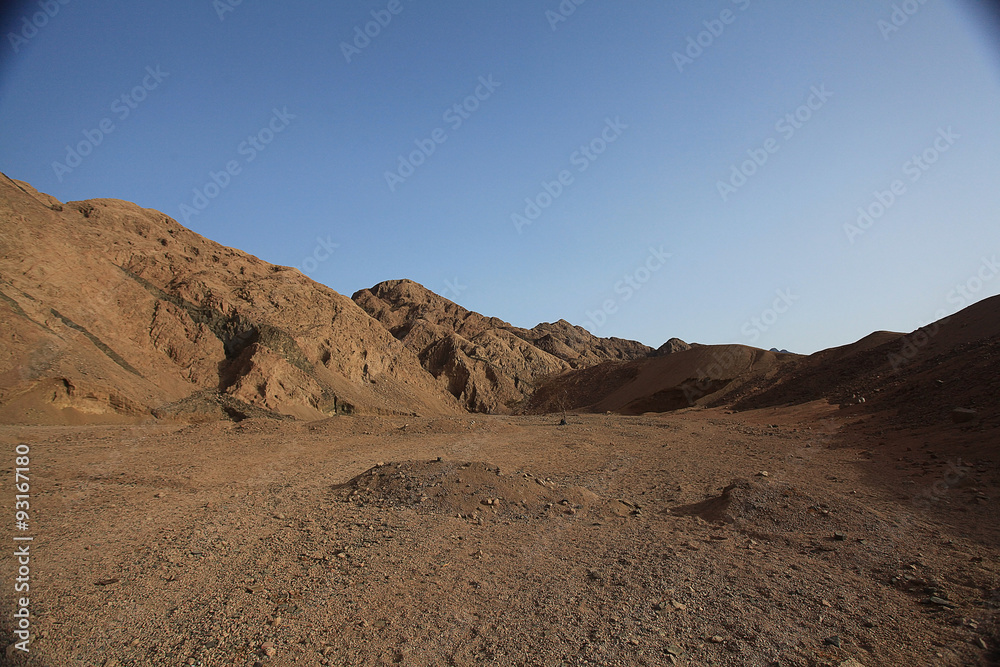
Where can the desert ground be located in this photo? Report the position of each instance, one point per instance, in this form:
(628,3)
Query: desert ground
(804,535)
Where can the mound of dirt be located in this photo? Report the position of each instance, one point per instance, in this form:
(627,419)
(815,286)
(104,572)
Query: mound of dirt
(114,312)
(472,490)
(487,364)
(756,509)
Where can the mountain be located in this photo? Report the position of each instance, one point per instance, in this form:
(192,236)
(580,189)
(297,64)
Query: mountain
(919,377)
(671,346)
(116,312)
(489,365)
(661,383)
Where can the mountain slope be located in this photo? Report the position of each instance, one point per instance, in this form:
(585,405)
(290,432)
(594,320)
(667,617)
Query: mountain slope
(113,311)
(921,376)
(680,379)
(486,363)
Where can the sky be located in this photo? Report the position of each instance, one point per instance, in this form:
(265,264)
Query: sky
(778,174)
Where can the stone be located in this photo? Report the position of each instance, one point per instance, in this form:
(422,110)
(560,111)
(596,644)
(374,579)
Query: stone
(962,415)
(940,602)
(832,641)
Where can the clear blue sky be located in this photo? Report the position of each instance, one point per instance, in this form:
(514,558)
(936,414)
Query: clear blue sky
(671,129)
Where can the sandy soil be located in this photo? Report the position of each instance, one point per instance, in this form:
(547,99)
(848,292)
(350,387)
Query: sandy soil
(809,535)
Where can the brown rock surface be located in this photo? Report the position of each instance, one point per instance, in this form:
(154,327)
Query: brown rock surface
(919,377)
(488,364)
(115,312)
(662,383)
(671,346)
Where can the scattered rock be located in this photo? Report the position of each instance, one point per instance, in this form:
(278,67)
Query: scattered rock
(832,641)
(940,602)
(268,649)
(962,415)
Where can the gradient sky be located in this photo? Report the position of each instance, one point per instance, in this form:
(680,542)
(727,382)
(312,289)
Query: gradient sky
(889,92)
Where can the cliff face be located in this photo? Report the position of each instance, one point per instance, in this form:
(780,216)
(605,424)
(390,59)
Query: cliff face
(486,363)
(116,312)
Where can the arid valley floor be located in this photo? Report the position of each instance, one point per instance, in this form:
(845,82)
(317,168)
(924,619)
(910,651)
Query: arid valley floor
(218,543)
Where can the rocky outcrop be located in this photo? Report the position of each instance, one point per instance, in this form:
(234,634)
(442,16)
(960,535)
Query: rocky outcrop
(671,346)
(112,311)
(486,363)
